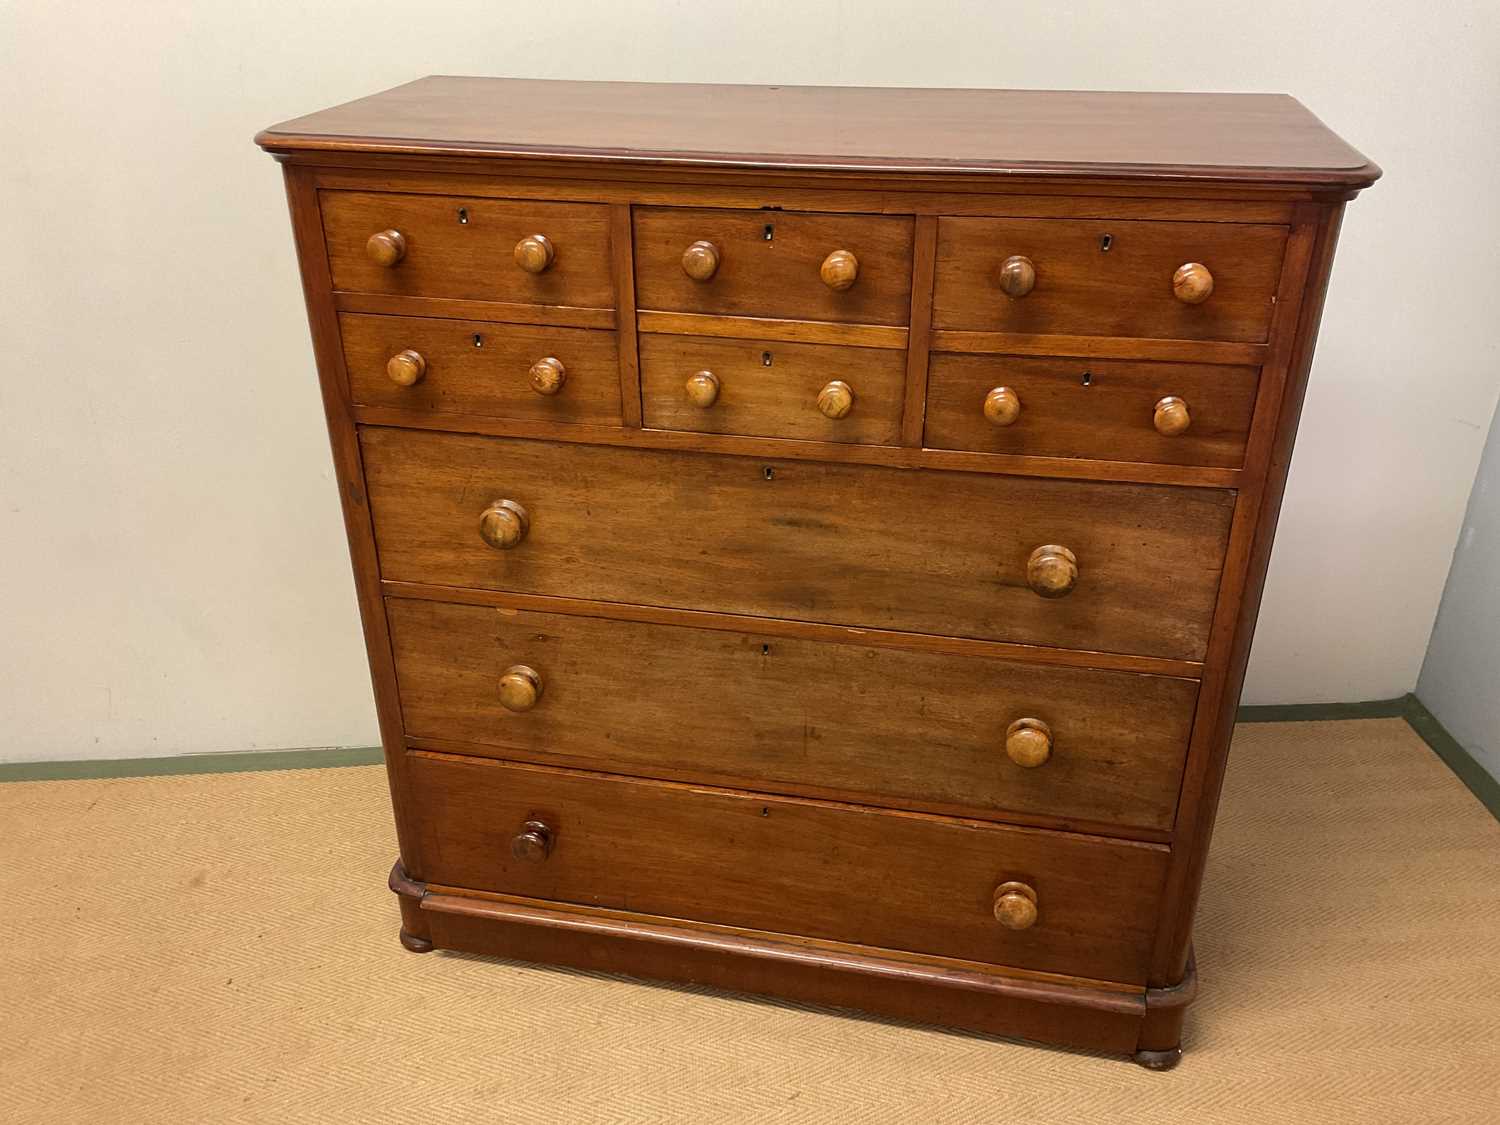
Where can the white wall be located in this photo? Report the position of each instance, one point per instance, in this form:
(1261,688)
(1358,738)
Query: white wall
(172,577)
(1460,681)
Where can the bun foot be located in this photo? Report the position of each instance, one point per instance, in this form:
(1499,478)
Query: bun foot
(415,944)
(409,894)
(1159,1060)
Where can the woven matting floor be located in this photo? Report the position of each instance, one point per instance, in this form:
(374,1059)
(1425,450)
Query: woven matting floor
(221,948)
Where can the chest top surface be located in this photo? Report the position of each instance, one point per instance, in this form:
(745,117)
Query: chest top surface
(1253,138)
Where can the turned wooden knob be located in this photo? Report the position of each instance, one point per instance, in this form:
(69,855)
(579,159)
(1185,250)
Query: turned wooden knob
(533,843)
(839,271)
(1192,284)
(1002,406)
(1052,571)
(504,524)
(386,248)
(407,367)
(703,389)
(1017,275)
(700,261)
(547,375)
(1028,742)
(1015,906)
(520,687)
(1171,416)
(534,253)
(836,399)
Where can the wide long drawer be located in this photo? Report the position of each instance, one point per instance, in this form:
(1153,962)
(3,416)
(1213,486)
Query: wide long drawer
(930,730)
(887,879)
(960,554)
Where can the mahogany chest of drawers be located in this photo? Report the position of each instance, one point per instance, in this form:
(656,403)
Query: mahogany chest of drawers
(808,540)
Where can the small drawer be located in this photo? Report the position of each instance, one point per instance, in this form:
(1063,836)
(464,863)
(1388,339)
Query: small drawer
(1101,277)
(1169,413)
(812,392)
(474,367)
(1119,568)
(1029,898)
(784,264)
(950,734)
(512,251)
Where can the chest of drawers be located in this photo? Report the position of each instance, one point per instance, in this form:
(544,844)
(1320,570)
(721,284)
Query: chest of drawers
(808,540)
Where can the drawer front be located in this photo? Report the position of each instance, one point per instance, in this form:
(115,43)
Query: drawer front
(474,367)
(1081,289)
(770,389)
(891,880)
(466,249)
(777,276)
(928,552)
(1113,411)
(848,721)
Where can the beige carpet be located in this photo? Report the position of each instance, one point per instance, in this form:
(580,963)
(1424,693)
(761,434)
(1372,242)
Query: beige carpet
(222,948)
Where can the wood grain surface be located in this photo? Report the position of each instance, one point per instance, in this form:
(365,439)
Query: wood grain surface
(785,715)
(1091,1014)
(770,262)
(474,367)
(1233,137)
(473,259)
(1126,290)
(770,389)
(1090,408)
(852,545)
(888,879)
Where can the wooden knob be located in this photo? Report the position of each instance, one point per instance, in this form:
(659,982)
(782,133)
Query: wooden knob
(1028,742)
(1192,284)
(1015,906)
(700,261)
(504,524)
(547,375)
(520,687)
(386,247)
(533,843)
(836,399)
(1052,571)
(1017,275)
(1002,406)
(534,253)
(703,389)
(406,368)
(839,271)
(1171,416)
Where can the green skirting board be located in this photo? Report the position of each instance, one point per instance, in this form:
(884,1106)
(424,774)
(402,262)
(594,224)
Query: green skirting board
(1408,707)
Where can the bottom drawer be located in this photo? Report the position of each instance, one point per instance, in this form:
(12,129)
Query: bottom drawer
(892,880)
